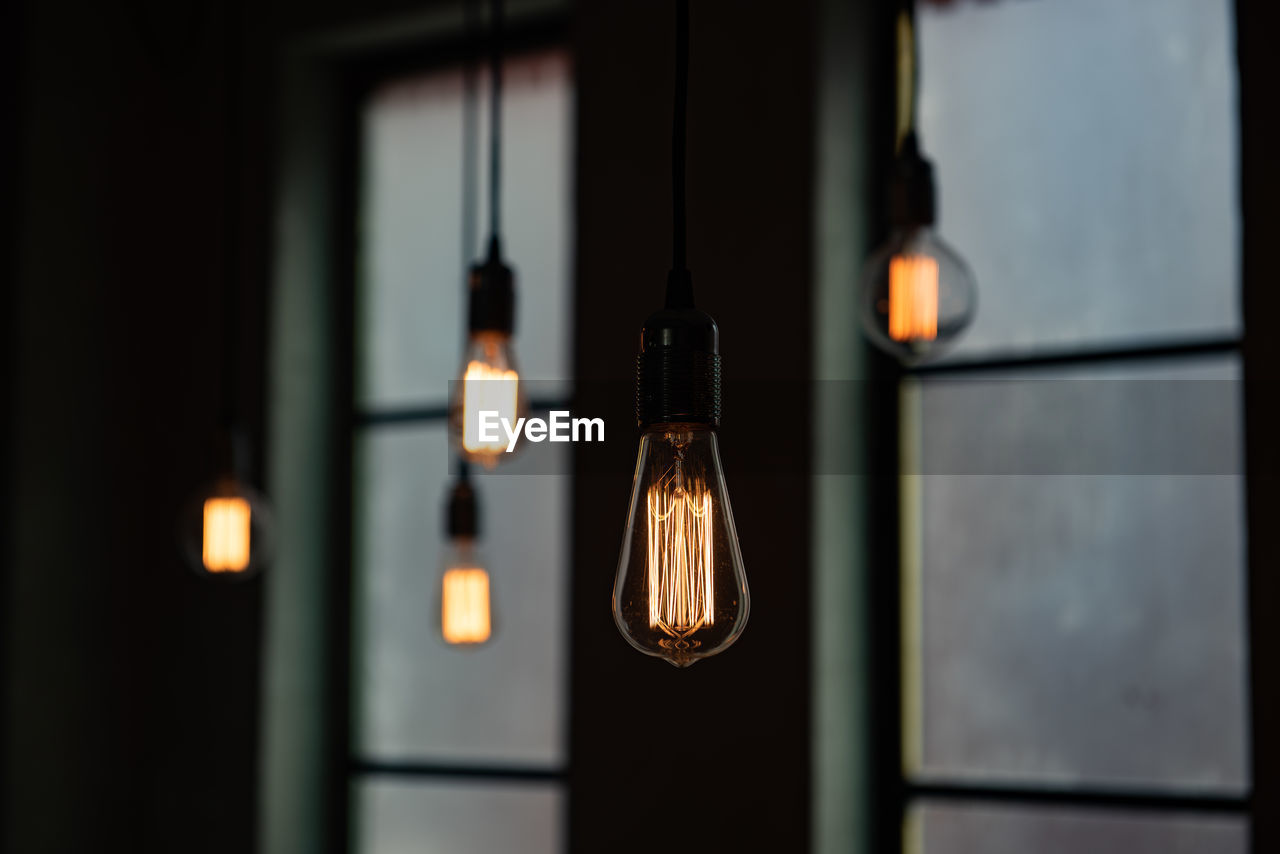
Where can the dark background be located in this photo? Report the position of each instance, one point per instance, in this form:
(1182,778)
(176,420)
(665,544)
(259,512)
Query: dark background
(132,688)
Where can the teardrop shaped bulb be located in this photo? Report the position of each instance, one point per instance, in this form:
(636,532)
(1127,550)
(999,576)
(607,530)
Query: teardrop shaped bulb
(681,590)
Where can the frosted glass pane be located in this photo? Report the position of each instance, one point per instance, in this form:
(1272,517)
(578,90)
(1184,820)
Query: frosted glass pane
(418,698)
(1086,155)
(412,271)
(459,818)
(948,829)
(1074,628)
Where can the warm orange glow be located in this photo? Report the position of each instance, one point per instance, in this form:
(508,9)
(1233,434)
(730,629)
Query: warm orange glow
(226,535)
(464,616)
(485,388)
(680,561)
(913,298)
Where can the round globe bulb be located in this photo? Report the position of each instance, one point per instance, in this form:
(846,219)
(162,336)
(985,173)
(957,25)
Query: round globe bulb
(917,296)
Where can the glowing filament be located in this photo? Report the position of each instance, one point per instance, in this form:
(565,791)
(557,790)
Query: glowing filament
(680,561)
(913,298)
(465,606)
(488,389)
(226,535)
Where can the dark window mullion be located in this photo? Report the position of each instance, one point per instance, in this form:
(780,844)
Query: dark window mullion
(411,414)
(1184,349)
(450,770)
(1128,799)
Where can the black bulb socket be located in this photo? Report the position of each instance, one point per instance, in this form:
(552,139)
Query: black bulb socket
(491,290)
(678,368)
(462,515)
(913,195)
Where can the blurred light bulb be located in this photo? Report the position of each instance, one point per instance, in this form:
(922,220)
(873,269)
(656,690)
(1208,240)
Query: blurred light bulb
(490,383)
(227,530)
(917,296)
(465,613)
(226,534)
(681,590)
(466,610)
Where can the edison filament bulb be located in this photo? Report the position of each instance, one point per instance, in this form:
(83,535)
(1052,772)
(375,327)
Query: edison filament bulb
(465,609)
(917,294)
(466,617)
(227,530)
(681,590)
(489,381)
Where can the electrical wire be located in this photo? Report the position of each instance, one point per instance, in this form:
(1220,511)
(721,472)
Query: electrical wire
(470,132)
(232,257)
(907,73)
(679,132)
(495,127)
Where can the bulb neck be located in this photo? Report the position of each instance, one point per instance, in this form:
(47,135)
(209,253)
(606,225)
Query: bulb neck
(491,291)
(462,516)
(913,195)
(678,368)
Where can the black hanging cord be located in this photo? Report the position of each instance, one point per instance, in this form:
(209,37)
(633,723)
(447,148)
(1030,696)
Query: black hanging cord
(495,127)
(678,139)
(470,123)
(230,443)
(679,282)
(907,57)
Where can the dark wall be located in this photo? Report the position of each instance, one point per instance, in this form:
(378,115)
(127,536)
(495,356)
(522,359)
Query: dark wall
(1260,187)
(130,685)
(131,696)
(716,756)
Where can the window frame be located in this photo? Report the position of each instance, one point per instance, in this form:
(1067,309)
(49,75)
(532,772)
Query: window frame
(892,792)
(358,78)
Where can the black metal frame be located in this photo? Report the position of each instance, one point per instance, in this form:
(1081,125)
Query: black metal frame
(892,792)
(357,80)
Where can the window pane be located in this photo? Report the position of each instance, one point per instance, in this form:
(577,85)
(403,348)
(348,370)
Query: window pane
(418,698)
(459,818)
(412,307)
(1086,155)
(950,829)
(1083,628)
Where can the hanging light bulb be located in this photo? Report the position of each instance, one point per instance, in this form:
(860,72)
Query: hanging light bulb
(681,590)
(466,613)
(489,380)
(227,530)
(917,294)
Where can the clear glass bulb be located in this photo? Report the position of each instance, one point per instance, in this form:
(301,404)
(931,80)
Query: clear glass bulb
(466,607)
(227,530)
(489,382)
(681,591)
(917,296)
